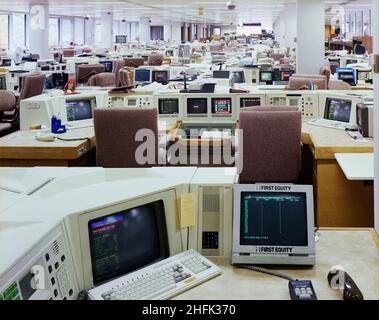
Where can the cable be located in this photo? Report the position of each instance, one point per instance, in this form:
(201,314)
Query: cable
(267,271)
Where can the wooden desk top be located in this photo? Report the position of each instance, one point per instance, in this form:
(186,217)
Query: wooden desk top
(325,142)
(23,145)
(353,249)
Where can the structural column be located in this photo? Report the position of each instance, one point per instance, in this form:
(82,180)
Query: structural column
(89,31)
(167,31)
(144,30)
(376,113)
(310,36)
(39,30)
(176,32)
(107,30)
(290,12)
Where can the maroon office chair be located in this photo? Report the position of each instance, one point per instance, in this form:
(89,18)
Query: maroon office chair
(271,144)
(34,56)
(31,85)
(123,78)
(8,103)
(299,81)
(155,59)
(277,56)
(115,132)
(134,62)
(86,71)
(68,53)
(104,79)
(333,66)
(117,65)
(325,71)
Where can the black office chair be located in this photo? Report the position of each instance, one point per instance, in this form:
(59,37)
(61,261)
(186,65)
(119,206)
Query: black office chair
(359,49)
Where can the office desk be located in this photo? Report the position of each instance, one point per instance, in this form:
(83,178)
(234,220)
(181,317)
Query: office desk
(356,166)
(21,149)
(339,202)
(355,250)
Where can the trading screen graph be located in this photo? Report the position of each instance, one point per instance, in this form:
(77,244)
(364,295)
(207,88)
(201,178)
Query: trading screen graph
(276,219)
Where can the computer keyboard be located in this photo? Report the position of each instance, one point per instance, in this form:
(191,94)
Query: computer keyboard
(161,280)
(330,124)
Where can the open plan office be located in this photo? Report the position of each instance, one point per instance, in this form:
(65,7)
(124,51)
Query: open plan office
(189,150)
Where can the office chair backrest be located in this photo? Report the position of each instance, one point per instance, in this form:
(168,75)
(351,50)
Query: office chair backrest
(333,66)
(284,61)
(155,59)
(34,56)
(134,62)
(7,101)
(277,56)
(31,85)
(123,78)
(86,50)
(339,85)
(102,79)
(298,81)
(325,71)
(86,71)
(117,65)
(68,53)
(271,144)
(115,132)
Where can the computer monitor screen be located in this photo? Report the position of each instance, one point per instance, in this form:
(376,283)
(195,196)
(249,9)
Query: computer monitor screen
(197,105)
(221,74)
(363,75)
(266,76)
(238,77)
(79,109)
(168,106)
(59,80)
(142,75)
(160,76)
(222,106)
(250,102)
(6,62)
(108,65)
(124,241)
(351,61)
(273,218)
(337,109)
(120,39)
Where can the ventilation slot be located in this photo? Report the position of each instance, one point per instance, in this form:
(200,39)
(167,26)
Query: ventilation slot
(211,203)
(55,247)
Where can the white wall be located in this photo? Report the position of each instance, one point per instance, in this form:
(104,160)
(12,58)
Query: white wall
(39,30)
(310,36)
(290,25)
(279,31)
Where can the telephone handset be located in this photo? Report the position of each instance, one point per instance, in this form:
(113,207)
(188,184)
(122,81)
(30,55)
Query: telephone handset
(340,279)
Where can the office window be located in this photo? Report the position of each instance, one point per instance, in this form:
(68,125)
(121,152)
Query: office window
(53,31)
(67,34)
(4,34)
(79,31)
(18,30)
(156,33)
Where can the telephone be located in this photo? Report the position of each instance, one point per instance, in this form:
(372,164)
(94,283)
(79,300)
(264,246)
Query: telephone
(338,278)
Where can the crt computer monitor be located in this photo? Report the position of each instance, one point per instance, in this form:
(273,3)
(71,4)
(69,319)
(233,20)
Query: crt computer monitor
(128,240)
(197,106)
(108,65)
(142,75)
(337,109)
(238,77)
(120,39)
(160,76)
(363,75)
(221,106)
(168,106)
(5,62)
(77,110)
(266,76)
(250,102)
(273,224)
